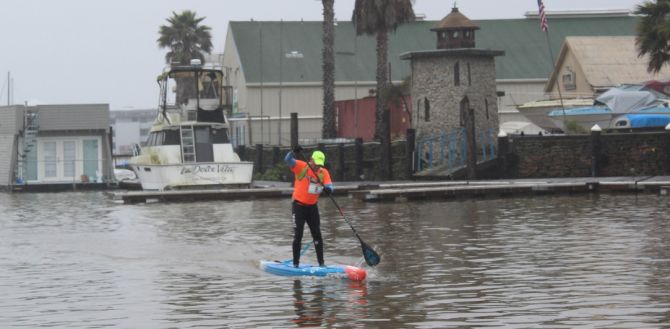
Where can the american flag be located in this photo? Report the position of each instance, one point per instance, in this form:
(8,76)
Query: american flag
(543,18)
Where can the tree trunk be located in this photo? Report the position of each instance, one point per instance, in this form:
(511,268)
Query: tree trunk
(185,90)
(382,80)
(382,122)
(329,130)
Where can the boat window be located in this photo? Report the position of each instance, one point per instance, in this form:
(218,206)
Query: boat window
(202,135)
(220,136)
(154,139)
(150,140)
(171,137)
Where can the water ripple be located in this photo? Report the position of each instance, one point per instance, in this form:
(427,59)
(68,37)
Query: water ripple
(77,260)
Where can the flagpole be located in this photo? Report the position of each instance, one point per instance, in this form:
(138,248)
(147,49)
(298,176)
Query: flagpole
(558,83)
(545,27)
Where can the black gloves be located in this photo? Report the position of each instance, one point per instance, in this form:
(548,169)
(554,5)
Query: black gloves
(326,191)
(297,149)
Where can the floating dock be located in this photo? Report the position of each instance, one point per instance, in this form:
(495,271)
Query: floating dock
(400,191)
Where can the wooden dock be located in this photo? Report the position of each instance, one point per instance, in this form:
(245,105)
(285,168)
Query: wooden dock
(400,191)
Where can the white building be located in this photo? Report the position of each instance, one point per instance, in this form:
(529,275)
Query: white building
(54,145)
(130,127)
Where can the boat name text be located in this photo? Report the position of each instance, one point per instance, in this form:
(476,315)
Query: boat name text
(197,169)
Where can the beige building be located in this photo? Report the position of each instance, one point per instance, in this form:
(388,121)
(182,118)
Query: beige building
(587,66)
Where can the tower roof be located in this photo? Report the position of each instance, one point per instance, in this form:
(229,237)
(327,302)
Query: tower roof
(455,20)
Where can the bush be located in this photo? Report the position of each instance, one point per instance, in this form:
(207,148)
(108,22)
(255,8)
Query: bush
(277,173)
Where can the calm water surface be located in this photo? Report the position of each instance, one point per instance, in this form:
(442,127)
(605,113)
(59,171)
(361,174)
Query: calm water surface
(78,260)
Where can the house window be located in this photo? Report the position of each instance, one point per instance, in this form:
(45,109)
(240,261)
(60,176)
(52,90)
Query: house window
(50,157)
(569,79)
(486,106)
(66,160)
(69,158)
(457,74)
(426,108)
(469,76)
(91,158)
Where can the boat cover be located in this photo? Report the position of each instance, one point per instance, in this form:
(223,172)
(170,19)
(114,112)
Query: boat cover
(624,101)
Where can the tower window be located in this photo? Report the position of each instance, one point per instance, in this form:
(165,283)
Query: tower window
(465,104)
(457,74)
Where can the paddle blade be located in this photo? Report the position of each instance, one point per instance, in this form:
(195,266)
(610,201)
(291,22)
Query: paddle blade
(372,258)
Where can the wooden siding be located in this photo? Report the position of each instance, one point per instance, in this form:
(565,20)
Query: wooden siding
(11,119)
(7,150)
(73,117)
(517,93)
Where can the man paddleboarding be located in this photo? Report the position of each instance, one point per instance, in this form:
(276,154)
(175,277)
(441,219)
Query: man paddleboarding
(311,180)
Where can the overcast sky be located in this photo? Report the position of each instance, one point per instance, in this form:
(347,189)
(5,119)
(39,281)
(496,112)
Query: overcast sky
(94,51)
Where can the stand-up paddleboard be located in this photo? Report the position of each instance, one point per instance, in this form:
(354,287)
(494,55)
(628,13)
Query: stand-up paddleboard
(286,268)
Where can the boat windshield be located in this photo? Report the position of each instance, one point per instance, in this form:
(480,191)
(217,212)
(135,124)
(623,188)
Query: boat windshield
(197,93)
(163,137)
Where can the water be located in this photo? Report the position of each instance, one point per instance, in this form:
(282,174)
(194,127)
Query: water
(78,260)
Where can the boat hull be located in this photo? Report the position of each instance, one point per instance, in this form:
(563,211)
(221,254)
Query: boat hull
(585,122)
(196,175)
(538,112)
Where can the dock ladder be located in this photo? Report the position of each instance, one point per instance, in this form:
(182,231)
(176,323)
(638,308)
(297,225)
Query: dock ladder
(187,144)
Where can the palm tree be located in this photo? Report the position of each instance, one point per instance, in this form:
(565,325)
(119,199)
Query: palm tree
(186,40)
(378,17)
(329,129)
(653,33)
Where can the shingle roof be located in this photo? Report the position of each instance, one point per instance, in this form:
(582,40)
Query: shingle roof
(608,61)
(454,20)
(525,46)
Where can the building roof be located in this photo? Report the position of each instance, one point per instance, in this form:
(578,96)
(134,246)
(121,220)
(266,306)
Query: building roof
(455,20)
(525,46)
(606,61)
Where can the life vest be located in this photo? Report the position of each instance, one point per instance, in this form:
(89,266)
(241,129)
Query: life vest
(307,188)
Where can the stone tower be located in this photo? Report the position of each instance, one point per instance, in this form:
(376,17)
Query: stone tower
(454,83)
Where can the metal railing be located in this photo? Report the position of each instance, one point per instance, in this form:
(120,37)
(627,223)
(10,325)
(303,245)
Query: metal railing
(451,149)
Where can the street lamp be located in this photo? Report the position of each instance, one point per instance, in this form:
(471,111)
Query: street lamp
(293,54)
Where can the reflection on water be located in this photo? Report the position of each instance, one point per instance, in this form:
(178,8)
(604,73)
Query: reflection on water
(78,260)
(316,302)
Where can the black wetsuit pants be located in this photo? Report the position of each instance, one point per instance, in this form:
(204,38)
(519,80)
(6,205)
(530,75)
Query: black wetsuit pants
(306,214)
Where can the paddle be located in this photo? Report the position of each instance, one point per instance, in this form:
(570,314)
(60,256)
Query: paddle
(302,252)
(372,258)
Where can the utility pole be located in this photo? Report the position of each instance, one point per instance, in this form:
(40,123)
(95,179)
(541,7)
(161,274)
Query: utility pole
(281,60)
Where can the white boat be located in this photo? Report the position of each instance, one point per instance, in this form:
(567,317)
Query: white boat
(537,112)
(189,145)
